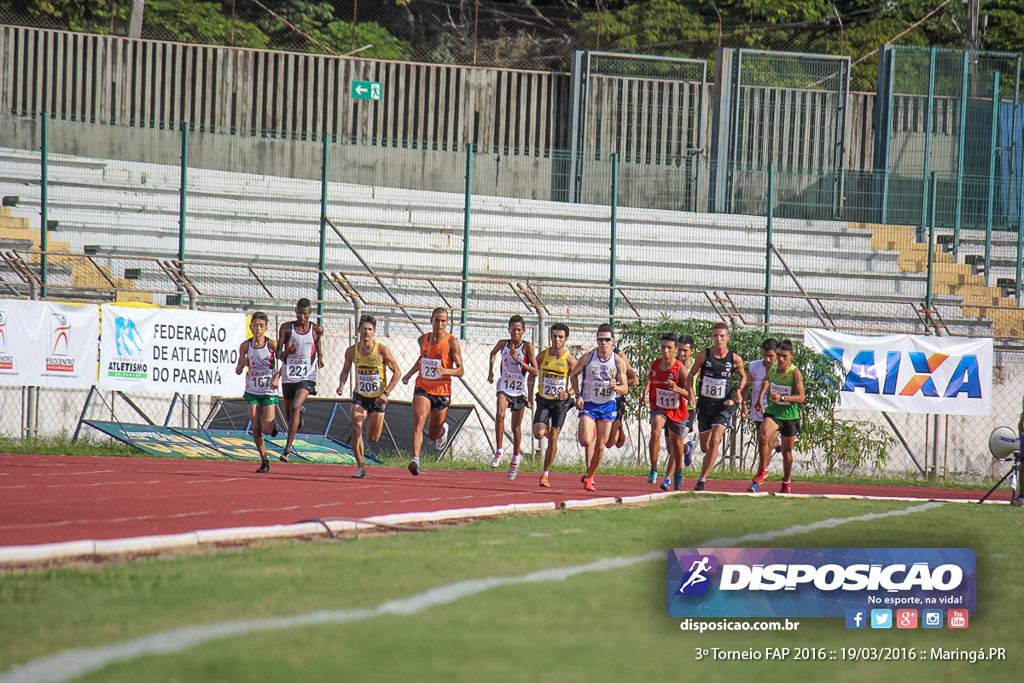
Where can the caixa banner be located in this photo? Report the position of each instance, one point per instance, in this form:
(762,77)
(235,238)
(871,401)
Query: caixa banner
(816,582)
(905,373)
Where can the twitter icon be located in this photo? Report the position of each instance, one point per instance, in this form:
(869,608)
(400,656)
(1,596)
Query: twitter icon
(881,618)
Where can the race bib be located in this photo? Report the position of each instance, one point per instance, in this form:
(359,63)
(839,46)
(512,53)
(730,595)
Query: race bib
(261,381)
(430,368)
(368,384)
(297,367)
(512,384)
(667,400)
(780,389)
(714,387)
(552,386)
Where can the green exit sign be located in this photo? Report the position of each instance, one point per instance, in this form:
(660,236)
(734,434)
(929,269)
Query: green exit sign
(367,90)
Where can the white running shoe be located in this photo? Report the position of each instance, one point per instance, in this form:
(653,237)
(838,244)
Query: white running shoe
(496,460)
(513,469)
(440,443)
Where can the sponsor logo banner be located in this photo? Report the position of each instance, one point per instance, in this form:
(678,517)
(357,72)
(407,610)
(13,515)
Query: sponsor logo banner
(910,373)
(48,344)
(817,582)
(179,442)
(162,351)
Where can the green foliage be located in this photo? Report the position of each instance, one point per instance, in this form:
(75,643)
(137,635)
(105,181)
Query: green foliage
(338,35)
(832,443)
(201,22)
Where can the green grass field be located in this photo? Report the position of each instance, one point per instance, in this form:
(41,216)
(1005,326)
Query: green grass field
(607,625)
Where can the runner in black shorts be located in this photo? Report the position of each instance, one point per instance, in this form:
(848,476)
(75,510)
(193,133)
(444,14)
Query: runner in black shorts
(554,401)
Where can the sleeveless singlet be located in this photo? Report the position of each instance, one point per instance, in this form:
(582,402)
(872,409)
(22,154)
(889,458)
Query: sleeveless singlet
(261,369)
(301,365)
(370,372)
(513,380)
(433,357)
(597,380)
(554,375)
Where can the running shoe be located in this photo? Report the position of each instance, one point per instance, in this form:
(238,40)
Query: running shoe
(699,486)
(284,455)
(666,484)
(754,487)
(513,469)
(440,443)
(688,454)
(588,484)
(677,481)
(787,487)
(759,477)
(652,477)
(544,481)
(414,468)
(264,467)
(496,460)
(360,473)
(273,430)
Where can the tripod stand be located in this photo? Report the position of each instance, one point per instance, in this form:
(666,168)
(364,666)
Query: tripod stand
(1016,469)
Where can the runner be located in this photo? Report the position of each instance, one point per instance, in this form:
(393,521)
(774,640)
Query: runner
(604,376)
(440,360)
(756,370)
(617,435)
(370,397)
(666,393)
(784,392)
(716,402)
(257,354)
(517,363)
(301,356)
(553,400)
(684,353)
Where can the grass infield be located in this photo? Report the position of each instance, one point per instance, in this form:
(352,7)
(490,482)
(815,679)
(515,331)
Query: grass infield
(603,626)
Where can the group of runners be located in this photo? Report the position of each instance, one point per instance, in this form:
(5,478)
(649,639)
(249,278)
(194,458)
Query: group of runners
(552,383)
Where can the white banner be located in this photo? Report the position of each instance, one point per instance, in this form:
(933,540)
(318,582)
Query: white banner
(47,344)
(161,351)
(905,373)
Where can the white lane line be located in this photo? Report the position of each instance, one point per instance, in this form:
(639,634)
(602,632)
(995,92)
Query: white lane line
(69,664)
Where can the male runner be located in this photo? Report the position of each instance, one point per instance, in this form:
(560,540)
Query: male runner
(370,396)
(666,393)
(684,353)
(717,399)
(517,363)
(757,370)
(784,391)
(604,376)
(553,400)
(301,356)
(257,354)
(440,360)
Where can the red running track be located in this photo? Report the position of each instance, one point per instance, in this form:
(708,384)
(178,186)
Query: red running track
(49,499)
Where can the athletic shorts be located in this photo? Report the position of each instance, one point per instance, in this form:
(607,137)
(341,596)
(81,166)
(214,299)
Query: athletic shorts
(551,413)
(290,388)
(368,404)
(600,412)
(515,403)
(260,399)
(709,415)
(787,428)
(437,403)
(671,426)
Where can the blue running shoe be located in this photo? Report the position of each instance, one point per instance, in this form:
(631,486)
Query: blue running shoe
(754,487)
(666,485)
(677,481)
(652,477)
(688,454)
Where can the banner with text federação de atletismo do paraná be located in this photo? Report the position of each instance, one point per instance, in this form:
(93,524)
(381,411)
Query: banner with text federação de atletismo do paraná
(905,373)
(162,351)
(47,344)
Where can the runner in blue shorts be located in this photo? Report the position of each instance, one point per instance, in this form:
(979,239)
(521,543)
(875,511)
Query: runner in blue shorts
(604,377)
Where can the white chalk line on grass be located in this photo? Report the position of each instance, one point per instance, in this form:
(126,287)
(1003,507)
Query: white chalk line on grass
(69,664)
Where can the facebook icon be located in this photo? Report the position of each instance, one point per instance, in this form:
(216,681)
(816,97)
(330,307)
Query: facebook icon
(856,618)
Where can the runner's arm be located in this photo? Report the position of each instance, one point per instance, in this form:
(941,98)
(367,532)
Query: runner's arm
(392,363)
(798,395)
(490,363)
(415,366)
(738,364)
(530,364)
(275,366)
(345,370)
(318,335)
(574,374)
(622,384)
(458,370)
(243,360)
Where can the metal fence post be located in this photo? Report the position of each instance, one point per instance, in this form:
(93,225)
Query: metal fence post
(929,119)
(466,212)
(44,201)
(1020,242)
(612,282)
(991,177)
(768,247)
(931,243)
(322,259)
(183,197)
(960,156)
